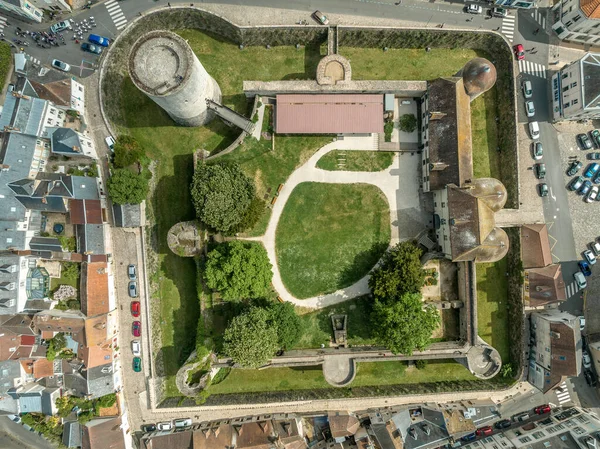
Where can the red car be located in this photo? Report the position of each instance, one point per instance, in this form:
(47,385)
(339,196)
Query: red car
(519,51)
(135,308)
(484,431)
(136,329)
(542,409)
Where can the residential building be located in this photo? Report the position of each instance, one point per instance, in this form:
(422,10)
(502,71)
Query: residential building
(129,215)
(71,436)
(89,383)
(104,433)
(64,92)
(543,281)
(53,5)
(577,21)
(68,142)
(555,352)
(22,9)
(576,89)
(35,398)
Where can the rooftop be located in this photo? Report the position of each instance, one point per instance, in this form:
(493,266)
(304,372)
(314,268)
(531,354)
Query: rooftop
(535,246)
(94,288)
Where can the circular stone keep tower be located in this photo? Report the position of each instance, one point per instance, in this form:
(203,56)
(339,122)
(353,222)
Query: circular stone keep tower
(163,66)
(479,76)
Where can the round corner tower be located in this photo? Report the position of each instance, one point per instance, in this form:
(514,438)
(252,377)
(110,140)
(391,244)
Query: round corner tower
(164,67)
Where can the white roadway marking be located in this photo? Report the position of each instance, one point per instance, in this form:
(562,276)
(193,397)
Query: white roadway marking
(552,195)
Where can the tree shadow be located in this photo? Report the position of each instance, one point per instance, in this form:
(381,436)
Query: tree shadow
(362,263)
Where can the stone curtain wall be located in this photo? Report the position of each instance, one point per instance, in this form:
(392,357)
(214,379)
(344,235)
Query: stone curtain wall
(494,47)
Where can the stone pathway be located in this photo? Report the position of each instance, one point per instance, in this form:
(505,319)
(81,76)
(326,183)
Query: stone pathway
(400,177)
(258,126)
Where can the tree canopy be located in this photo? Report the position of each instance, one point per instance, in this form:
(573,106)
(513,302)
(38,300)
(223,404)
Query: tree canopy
(251,338)
(126,187)
(127,151)
(239,270)
(288,323)
(404,325)
(400,272)
(221,194)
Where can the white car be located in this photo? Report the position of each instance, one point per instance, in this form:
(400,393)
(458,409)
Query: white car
(589,256)
(592,195)
(595,246)
(168,425)
(183,422)
(534,130)
(587,362)
(474,9)
(581,323)
(136,348)
(60,65)
(529,108)
(110,143)
(580,280)
(527,89)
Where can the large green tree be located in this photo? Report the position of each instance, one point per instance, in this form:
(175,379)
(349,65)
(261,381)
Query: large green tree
(400,272)
(239,270)
(221,194)
(403,325)
(127,151)
(126,187)
(288,323)
(251,338)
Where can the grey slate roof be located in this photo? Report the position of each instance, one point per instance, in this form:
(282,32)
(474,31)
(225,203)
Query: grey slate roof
(64,141)
(30,403)
(590,65)
(85,188)
(128,215)
(24,114)
(72,434)
(9,370)
(8,296)
(47,204)
(91,383)
(45,244)
(90,238)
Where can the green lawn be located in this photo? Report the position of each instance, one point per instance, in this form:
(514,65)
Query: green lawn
(307,378)
(5,59)
(356,160)
(492,313)
(317,324)
(330,235)
(486,158)
(406,63)
(57,282)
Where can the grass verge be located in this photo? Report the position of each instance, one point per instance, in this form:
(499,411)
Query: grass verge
(356,160)
(330,235)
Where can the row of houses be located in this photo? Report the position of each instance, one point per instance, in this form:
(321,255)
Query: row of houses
(42,123)
(425,426)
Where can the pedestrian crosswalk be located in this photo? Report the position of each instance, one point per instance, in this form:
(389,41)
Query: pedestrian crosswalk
(508,27)
(539,18)
(532,68)
(572,288)
(3,22)
(33,60)
(562,394)
(116,14)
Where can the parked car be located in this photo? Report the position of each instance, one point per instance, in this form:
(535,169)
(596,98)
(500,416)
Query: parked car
(168,425)
(136,348)
(543,189)
(99,40)
(61,26)
(589,256)
(519,51)
(474,9)
(484,431)
(136,329)
(576,183)
(587,361)
(499,12)
(137,364)
(529,108)
(131,272)
(534,130)
(580,280)
(133,289)
(595,246)
(590,378)
(574,168)
(584,141)
(91,48)
(542,409)
(596,178)
(595,135)
(183,422)
(593,156)
(110,143)
(320,17)
(581,323)
(521,417)
(592,170)
(60,65)
(148,428)
(135,308)
(503,424)
(537,150)
(585,268)
(469,437)
(527,89)
(585,188)
(540,171)
(592,195)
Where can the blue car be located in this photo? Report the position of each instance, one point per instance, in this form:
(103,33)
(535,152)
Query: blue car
(585,268)
(469,437)
(585,188)
(98,40)
(592,170)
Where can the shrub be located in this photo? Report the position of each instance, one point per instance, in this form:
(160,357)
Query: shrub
(126,187)
(254,212)
(388,129)
(408,123)
(127,151)
(421,364)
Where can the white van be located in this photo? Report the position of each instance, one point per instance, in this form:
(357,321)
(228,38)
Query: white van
(183,422)
(534,130)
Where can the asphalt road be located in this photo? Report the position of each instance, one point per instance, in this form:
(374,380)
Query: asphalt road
(15,436)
